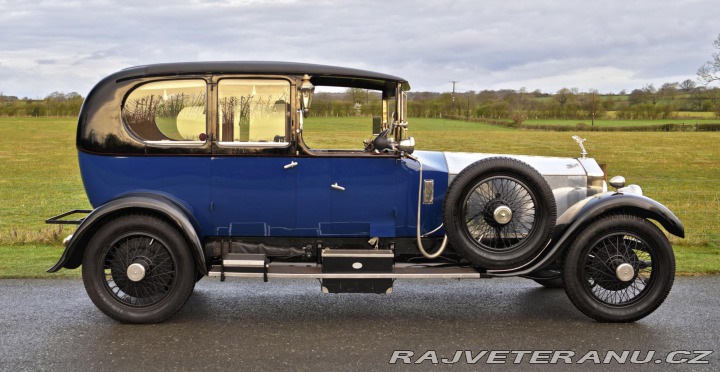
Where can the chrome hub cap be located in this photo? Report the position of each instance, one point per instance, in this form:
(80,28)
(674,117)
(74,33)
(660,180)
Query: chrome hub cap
(502,214)
(625,272)
(136,272)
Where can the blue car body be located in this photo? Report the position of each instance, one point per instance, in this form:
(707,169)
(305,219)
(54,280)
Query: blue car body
(257,197)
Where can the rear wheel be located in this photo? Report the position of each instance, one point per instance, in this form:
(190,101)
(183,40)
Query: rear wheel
(619,269)
(499,213)
(138,269)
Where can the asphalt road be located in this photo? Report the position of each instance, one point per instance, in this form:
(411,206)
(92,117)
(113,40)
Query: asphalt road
(290,325)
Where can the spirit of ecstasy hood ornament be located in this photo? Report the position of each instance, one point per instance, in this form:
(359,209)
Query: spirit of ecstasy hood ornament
(582,147)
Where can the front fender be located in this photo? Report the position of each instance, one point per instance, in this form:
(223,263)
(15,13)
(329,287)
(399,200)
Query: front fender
(582,213)
(570,223)
(73,254)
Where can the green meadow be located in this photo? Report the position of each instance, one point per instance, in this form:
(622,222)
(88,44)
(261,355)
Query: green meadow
(619,122)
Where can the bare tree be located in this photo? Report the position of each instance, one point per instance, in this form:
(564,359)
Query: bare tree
(357,95)
(687,85)
(651,93)
(592,105)
(668,91)
(713,98)
(710,71)
(697,98)
(563,95)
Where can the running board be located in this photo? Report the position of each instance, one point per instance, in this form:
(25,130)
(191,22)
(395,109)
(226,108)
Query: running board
(282,270)
(341,271)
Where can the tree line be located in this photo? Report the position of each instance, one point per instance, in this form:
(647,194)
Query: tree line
(665,102)
(55,104)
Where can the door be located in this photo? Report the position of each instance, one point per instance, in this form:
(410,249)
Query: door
(253,176)
(364,200)
(253,196)
(353,195)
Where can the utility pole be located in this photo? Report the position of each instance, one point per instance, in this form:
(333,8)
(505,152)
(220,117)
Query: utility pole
(453,97)
(593,109)
(468,107)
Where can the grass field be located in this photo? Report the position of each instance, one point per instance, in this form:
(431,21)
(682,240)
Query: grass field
(619,122)
(684,115)
(349,133)
(39,176)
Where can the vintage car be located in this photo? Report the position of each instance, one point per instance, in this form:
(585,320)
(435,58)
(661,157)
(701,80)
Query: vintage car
(201,169)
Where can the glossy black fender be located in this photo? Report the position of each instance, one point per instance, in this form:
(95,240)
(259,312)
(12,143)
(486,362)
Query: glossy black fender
(150,203)
(570,223)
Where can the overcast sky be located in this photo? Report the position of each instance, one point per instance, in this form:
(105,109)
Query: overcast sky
(609,45)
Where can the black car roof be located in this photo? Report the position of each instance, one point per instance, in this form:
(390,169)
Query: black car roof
(321,74)
(100,126)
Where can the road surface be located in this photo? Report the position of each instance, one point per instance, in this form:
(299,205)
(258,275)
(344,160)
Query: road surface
(290,325)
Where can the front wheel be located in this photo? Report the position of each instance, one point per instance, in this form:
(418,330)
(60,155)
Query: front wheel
(619,269)
(138,269)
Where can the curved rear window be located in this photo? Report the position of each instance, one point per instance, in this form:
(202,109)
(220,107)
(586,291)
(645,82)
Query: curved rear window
(167,111)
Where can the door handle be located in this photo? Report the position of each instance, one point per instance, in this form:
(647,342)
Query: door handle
(292,164)
(337,187)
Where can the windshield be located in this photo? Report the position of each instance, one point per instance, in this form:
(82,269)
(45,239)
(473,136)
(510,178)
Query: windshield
(344,118)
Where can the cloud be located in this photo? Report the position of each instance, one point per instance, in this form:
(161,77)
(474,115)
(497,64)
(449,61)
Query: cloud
(69,45)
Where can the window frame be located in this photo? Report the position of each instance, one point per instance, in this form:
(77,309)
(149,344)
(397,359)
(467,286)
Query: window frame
(254,144)
(389,104)
(169,143)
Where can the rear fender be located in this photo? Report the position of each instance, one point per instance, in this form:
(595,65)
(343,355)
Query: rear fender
(144,202)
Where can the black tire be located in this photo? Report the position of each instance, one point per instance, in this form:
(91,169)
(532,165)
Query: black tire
(154,244)
(556,283)
(554,279)
(471,222)
(591,264)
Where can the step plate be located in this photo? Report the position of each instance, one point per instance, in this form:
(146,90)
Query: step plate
(244,260)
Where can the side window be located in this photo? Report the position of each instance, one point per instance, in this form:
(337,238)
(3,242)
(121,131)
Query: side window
(167,111)
(253,112)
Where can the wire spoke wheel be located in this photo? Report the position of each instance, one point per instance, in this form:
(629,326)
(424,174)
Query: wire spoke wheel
(158,264)
(499,213)
(620,268)
(602,262)
(139,268)
(483,213)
